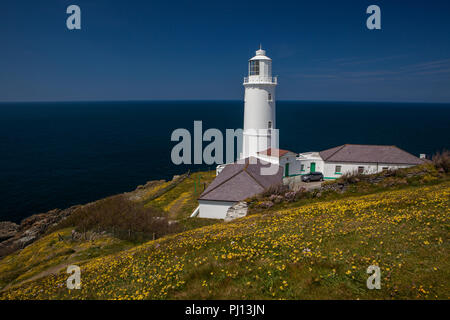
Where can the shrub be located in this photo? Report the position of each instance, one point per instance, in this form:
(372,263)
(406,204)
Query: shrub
(441,160)
(123,218)
(279,189)
(351,177)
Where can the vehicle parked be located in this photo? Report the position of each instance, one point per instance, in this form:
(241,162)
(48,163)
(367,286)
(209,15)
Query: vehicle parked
(312,176)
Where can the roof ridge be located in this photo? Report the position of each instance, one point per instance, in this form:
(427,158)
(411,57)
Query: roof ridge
(340,148)
(245,170)
(374,145)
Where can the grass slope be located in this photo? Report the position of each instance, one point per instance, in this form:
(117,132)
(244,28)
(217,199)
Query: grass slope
(319,250)
(180,201)
(54,252)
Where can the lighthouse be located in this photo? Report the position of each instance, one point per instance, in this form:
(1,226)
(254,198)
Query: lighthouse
(259,132)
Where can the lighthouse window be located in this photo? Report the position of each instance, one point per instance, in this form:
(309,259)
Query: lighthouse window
(269,125)
(254,68)
(269,97)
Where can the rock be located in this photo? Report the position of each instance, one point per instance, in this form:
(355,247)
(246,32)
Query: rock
(236,211)
(24,241)
(30,229)
(8,230)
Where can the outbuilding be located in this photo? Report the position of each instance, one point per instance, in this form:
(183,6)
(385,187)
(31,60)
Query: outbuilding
(284,158)
(236,182)
(361,158)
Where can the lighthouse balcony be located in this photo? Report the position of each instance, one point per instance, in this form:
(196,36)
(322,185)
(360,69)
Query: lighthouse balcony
(259,79)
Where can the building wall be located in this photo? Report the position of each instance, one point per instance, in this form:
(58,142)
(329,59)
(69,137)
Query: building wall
(330,168)
(258,112)
(294,165)
(214,209)
(307,166)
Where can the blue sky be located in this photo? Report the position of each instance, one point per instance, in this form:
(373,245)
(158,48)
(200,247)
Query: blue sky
(147,50)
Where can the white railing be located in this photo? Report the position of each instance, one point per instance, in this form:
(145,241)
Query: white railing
(257,79)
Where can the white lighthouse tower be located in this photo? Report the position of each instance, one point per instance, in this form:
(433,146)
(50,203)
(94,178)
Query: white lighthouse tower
(259,106)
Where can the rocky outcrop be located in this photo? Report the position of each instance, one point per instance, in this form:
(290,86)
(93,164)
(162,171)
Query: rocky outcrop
(14,237)
(8,230)
(236,211)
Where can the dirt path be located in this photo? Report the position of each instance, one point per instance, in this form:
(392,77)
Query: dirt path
(52,270)
(175,206)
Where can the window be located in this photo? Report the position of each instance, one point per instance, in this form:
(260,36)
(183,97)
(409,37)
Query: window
(254,68)
(360,169)
(302,167)
(269,125)
(385,168)
(338,169)
(269,97)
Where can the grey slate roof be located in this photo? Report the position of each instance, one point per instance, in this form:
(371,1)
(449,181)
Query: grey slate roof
(239,181)
(369,154)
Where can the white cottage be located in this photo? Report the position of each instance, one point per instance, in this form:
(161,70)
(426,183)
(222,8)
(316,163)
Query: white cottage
(360,158)
(236,182)
(284,158)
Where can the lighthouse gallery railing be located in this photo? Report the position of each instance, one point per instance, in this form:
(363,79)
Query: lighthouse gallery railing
(273,80)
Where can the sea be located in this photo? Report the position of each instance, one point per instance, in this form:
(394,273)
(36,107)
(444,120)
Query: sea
(58,154)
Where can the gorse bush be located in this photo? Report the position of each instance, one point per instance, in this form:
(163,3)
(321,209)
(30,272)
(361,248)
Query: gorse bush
(123,218)
(441,161)
(351,177)
(280,189)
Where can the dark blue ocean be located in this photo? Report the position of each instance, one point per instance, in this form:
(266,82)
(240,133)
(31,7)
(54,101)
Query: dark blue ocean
(54,155)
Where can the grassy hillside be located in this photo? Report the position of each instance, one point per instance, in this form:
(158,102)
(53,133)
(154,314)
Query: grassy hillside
(151,211)
(180,201)
(319,249)
(54,252)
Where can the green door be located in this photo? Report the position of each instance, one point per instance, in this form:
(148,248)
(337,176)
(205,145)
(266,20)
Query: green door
(286,170)
(313,167)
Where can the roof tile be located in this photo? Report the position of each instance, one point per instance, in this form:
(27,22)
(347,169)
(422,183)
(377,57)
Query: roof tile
(369,154)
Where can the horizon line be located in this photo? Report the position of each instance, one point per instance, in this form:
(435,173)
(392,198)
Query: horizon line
(215,100)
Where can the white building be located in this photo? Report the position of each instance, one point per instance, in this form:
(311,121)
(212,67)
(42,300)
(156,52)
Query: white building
(241,180)
(284,158)
(236,182)
(347,158)
(259,106)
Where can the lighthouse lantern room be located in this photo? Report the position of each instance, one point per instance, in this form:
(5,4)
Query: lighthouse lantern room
(259,106)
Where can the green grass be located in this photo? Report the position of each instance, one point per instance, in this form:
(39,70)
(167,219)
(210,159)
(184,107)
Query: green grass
(180,201)
(50,251)
(418,176)
(317,250)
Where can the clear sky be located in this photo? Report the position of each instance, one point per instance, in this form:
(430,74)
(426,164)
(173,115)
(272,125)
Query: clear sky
(146,50)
